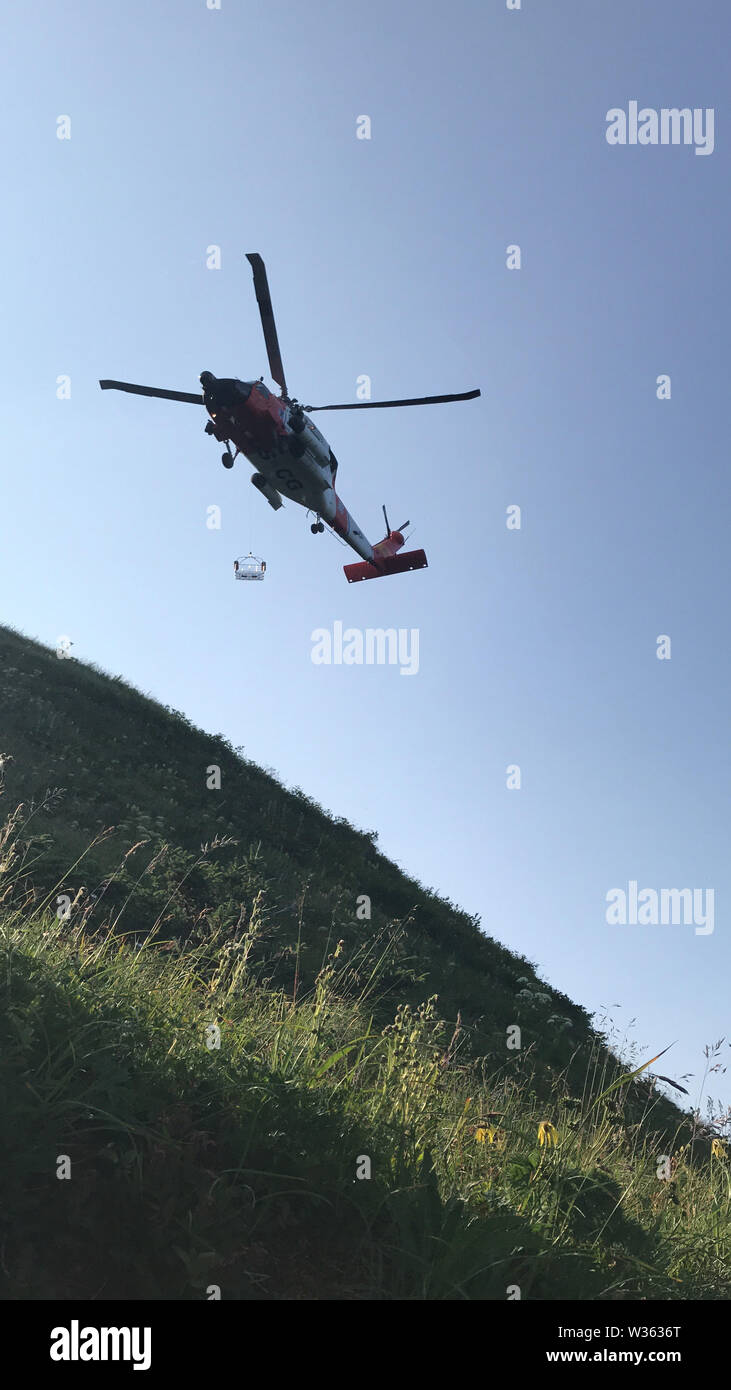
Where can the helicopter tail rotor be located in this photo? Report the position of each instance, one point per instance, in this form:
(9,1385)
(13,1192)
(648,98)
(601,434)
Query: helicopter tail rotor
(399,529)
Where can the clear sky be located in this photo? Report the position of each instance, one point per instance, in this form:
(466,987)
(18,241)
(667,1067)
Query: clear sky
(194,127)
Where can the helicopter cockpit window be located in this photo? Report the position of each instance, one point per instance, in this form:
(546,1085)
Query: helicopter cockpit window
(226,393)
(263,390)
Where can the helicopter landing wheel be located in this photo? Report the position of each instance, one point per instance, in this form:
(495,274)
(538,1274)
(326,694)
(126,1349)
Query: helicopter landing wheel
(227,459)
(317,526)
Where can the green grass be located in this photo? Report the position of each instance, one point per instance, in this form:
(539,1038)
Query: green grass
(193,1165)
(348,1041)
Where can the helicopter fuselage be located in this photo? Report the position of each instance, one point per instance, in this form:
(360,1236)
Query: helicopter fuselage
(291,457)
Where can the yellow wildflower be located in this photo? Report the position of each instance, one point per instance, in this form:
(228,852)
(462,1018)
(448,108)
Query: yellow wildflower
(489,1134)
(547,1134)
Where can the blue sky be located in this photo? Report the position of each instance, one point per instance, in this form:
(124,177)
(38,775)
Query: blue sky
(236,127)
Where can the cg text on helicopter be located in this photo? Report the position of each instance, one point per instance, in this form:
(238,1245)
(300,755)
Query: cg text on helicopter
(290,455)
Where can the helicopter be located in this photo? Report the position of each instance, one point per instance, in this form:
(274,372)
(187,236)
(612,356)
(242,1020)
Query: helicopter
(290,456)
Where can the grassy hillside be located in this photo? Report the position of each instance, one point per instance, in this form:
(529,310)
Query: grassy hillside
(276,1065)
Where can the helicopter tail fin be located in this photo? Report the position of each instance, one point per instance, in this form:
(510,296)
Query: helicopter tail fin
(386,564)
(386,559)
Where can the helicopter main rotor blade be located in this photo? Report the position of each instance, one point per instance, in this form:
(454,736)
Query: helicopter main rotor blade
(151,391)
(383,405)
(266,312)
